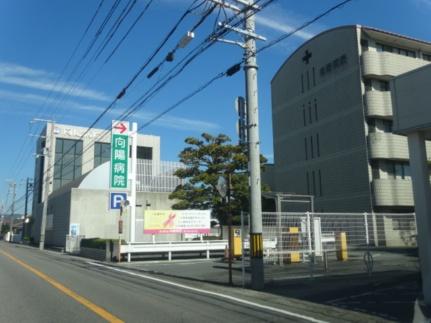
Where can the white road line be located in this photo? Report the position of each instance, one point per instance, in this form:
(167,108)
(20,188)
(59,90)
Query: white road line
(220,295)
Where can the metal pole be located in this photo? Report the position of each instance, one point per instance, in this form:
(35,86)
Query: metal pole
(133,182)
(47,164)
(256,241)
(367,235)
(13,200)
(229,222)
(242,250)
(27,189)
(279,229)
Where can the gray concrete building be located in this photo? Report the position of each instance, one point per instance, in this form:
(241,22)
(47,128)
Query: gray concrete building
(332,117)
(79,192)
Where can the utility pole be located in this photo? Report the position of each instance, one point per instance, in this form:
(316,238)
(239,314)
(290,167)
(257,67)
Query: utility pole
(13,185)
(134,173)
(47,154)
(250,68)
(28,188)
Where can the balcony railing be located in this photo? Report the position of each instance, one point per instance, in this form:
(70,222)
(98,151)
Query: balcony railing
(378,103)
(157,176)
(393,192)
(386,64)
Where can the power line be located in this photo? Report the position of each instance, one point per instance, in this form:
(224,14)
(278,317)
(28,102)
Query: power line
(20,156)
(306,24)
(129,31)
(187,62)
(123,15)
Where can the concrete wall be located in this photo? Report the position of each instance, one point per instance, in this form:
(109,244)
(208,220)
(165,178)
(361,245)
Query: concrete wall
(412,100)
(334,98)
(90,209)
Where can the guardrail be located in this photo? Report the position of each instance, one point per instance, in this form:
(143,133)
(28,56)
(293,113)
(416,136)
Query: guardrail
(170,247)
(182,246)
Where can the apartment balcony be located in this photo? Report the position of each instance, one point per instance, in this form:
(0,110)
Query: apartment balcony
(386,65)
(393,192)
(378,104)
(384,145)
(388,146)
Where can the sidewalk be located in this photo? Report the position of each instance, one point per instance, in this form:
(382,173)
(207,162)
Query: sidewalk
(384,296)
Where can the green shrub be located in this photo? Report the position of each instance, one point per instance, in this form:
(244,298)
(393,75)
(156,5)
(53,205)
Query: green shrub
(95,243)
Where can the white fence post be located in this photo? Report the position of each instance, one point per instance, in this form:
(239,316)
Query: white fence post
(367,236)
(375,233)
(310,248)
(280,239)
(129,256)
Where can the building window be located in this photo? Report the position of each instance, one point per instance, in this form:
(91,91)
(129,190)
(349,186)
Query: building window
(320,183)
(396,50)
(68,161)
(312,147)
(308,183)
(314,76)
(315,111)
(364,45)
(302,83)
(426,57)
(343,59)
(142,152)
(368,85)
(102,153)
(145,153)
(375,169)
(386,125)
(314,183)
(306,148)
(310,119)
(303,116)
(318,145)
(322,71)
(399,170)
(384,86)
(308,80)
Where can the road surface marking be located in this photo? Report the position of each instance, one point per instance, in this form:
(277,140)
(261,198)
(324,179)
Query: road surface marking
(91,306)
(220,295)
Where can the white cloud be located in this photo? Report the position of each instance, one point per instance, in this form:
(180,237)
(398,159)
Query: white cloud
(167,121)
(42,80)
(278,25)
(425,2)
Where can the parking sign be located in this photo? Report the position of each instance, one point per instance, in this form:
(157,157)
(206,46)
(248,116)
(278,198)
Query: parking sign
(115,199)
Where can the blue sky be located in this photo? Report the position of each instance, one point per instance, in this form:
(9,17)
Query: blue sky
(38,37)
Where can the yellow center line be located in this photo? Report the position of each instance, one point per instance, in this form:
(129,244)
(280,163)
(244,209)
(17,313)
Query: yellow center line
(91,306)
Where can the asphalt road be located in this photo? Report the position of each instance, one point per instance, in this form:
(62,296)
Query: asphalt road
(45,287)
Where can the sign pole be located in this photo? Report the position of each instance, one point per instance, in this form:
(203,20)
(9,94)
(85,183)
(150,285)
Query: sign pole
(134,135)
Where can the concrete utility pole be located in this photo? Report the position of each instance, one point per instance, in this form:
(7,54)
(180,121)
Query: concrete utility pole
(256,241)
(47,153)
(250,67)
(134,173)
(28,188)
(12,211)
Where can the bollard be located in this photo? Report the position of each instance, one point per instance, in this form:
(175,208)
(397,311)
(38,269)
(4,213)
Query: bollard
(341,241)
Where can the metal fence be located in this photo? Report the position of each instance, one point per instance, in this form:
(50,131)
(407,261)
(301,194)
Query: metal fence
(298,244)
(153,176)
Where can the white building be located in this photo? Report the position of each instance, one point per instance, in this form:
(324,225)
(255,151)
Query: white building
(332,121)
(79,194)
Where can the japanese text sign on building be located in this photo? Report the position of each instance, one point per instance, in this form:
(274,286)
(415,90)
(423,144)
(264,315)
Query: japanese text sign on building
(119,154)
(176,221)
